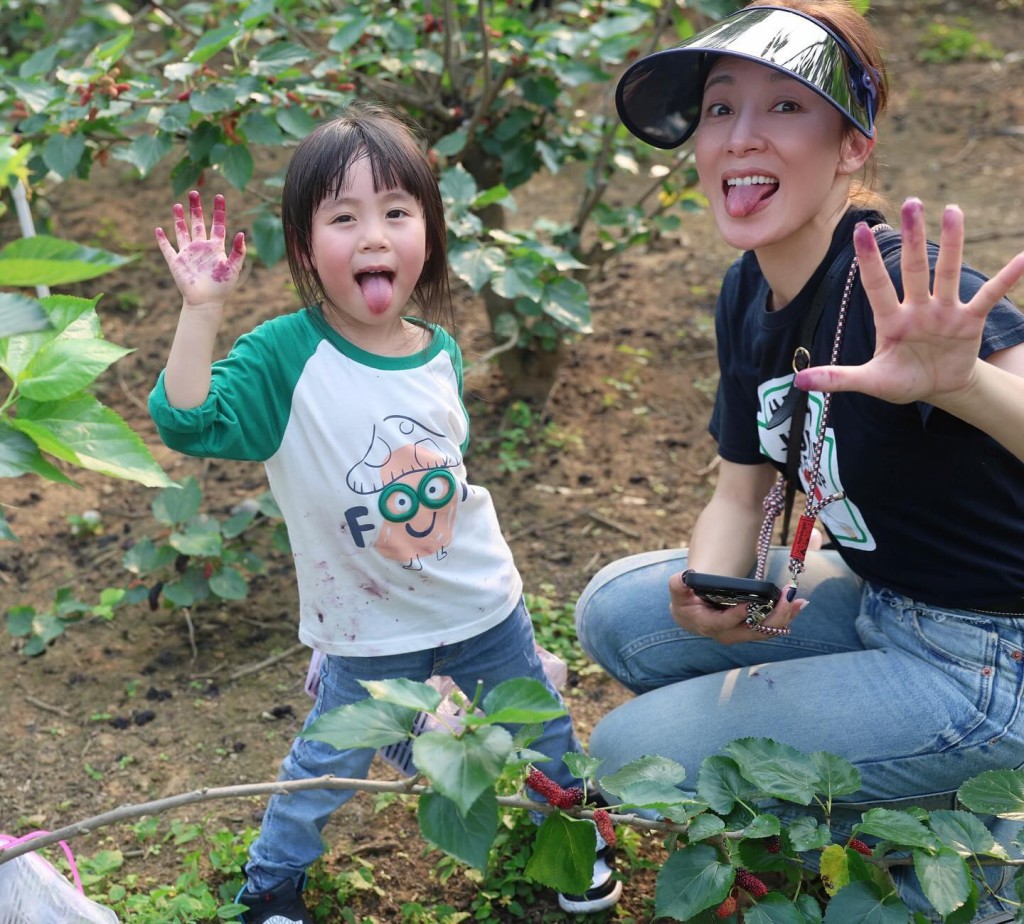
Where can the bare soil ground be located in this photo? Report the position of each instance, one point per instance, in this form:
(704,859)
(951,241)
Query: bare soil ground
(630,470)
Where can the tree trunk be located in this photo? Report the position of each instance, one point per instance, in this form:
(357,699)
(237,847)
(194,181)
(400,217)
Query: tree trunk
(529,374)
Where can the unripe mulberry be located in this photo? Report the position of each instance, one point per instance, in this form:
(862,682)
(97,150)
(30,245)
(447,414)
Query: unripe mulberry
(773,844)
(859,846)
(604,825)
(727,907)
(750,884)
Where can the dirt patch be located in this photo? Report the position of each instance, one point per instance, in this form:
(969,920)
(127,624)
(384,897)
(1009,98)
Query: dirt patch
(625,467)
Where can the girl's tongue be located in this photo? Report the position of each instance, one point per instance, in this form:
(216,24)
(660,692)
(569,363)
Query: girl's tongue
(376,289)
(741,200)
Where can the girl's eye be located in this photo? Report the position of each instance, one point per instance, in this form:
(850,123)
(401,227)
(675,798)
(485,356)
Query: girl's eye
(396,213)
(718,109)
(787,106)
(339,219)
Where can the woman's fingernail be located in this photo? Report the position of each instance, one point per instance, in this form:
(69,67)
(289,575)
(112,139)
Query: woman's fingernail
(791,593)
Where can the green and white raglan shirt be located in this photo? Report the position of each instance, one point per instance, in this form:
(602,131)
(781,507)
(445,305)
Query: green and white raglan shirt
(394,550)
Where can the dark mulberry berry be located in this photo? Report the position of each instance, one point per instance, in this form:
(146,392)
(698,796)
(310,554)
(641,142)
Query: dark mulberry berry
(773,844)
(572,796)
(727,907)
(859,846)
(750,884)
(604,825)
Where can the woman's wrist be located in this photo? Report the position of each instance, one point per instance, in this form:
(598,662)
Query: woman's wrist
(963,402)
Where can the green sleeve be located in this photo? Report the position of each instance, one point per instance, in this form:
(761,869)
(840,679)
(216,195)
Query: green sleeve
(455,355)
(245,415)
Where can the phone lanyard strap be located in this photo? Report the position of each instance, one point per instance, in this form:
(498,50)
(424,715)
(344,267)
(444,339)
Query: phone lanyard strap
(774,501)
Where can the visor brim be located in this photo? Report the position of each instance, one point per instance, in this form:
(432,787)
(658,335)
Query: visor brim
(659,97)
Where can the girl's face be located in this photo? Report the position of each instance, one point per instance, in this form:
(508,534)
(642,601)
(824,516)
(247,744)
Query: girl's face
(368,247)
(773,157)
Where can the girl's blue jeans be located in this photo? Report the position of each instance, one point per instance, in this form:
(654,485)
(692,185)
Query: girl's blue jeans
(289,839)
(918,698)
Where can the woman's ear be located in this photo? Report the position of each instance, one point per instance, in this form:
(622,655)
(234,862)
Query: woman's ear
(854,152)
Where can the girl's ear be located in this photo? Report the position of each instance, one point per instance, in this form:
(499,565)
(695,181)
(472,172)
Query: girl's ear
(854,152)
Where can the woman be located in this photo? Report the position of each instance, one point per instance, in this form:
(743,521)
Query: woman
(906,657)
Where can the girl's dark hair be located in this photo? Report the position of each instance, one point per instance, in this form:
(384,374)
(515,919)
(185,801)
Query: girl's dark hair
(398,159)
(842,18)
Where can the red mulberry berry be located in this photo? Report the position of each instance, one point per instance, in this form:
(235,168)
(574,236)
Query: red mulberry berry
(727,907)
(859,846)
(564,798)
(549,789)
(750,884)
(773,844)
(604,825)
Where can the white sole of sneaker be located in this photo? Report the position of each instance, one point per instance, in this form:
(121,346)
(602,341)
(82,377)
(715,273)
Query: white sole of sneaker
(591,906)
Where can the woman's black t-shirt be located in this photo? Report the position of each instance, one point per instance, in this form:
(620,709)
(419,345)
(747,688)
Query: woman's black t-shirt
(934,508)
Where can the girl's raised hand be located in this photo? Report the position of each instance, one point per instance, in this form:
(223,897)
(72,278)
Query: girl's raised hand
(204,273)
(926,346)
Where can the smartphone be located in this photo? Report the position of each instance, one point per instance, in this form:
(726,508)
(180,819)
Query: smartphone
(722,592)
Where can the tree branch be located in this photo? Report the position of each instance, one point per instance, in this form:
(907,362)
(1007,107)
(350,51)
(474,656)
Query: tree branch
(246,790)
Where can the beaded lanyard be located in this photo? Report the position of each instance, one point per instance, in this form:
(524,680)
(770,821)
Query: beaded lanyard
(774,501)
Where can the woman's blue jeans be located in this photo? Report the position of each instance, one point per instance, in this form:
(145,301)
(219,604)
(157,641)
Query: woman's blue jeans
(289,839)
(918,698)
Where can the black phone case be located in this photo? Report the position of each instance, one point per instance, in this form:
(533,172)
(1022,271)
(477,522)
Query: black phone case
(722,591)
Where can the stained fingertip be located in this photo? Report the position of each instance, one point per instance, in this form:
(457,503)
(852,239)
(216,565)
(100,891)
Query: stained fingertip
(912,209)
(952,217)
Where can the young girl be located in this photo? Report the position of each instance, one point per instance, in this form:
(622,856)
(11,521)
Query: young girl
(906,657)
(355,409)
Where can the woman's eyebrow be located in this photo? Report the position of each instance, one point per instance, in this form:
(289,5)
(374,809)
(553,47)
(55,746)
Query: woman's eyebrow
(721,78)
(729,79)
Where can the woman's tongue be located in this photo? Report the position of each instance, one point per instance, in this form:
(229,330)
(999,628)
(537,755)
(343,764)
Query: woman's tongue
(740,201)
(376,289)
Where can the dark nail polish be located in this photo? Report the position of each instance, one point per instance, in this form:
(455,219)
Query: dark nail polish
(791,594)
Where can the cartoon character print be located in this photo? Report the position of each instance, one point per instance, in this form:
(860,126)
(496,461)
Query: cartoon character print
(418,495)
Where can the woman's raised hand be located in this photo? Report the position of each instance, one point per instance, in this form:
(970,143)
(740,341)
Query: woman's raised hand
(927,345)
(204,273)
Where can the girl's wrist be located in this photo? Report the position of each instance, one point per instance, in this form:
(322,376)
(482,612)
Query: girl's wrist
(207,307)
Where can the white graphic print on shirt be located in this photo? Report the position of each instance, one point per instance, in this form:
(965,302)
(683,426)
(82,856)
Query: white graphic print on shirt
(842,517)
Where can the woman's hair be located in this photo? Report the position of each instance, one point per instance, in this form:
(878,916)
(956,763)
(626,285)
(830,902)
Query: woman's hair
(843,19)
(319,169)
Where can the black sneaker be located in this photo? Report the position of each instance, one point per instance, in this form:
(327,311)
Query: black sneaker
(281,905)
(605,889)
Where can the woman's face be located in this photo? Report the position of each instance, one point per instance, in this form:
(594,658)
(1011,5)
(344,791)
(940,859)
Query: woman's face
(772,155)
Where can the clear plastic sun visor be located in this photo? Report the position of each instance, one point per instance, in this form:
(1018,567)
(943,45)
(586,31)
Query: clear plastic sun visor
(659,97)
